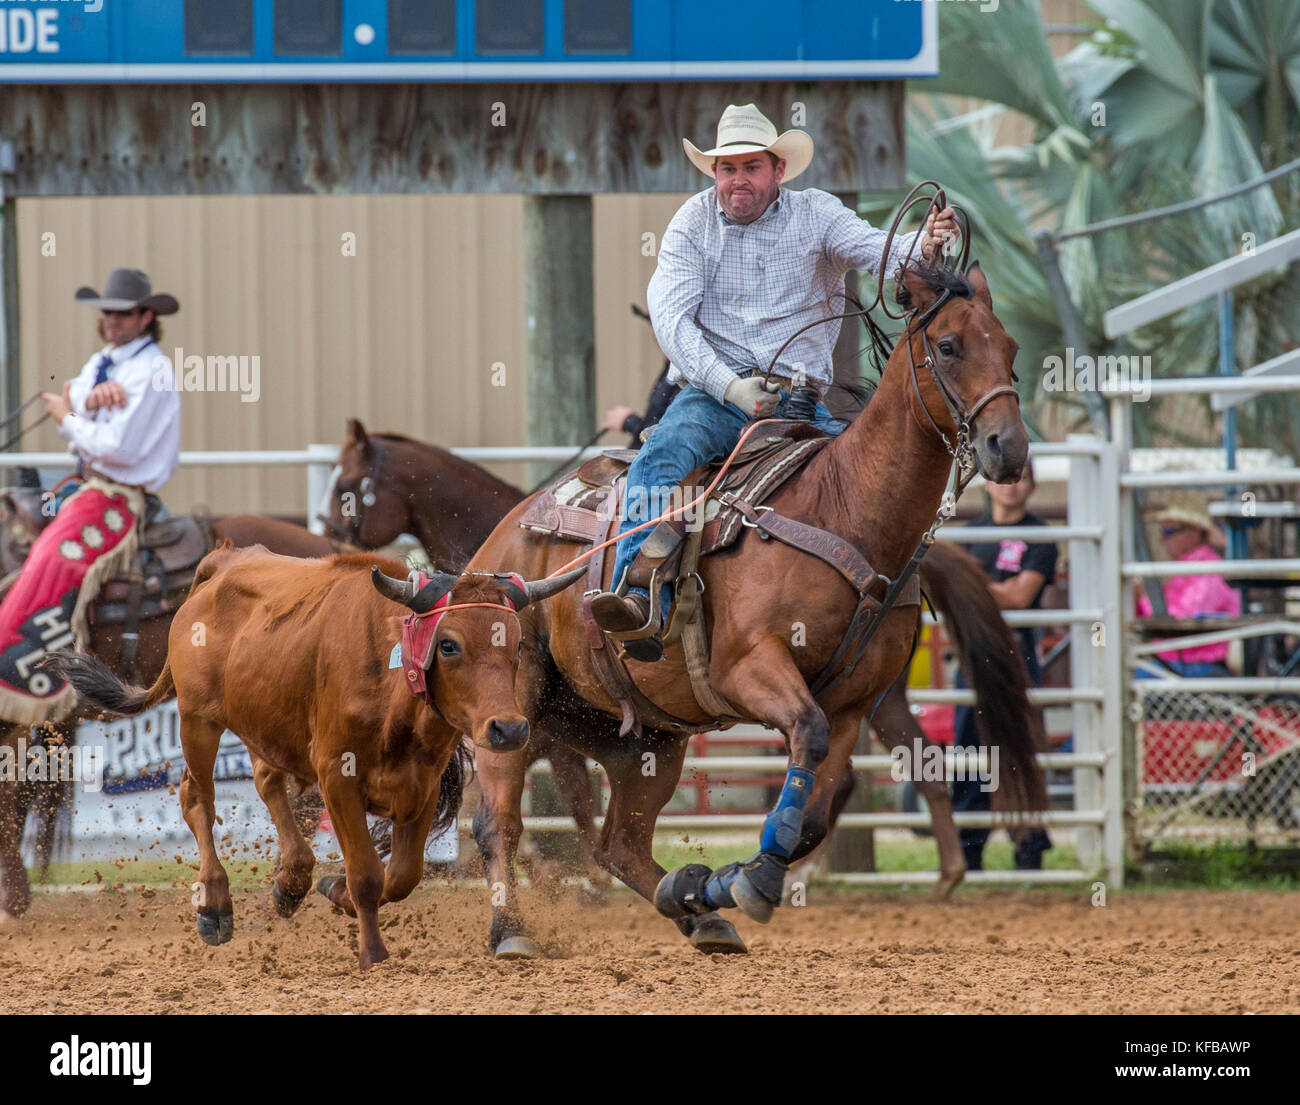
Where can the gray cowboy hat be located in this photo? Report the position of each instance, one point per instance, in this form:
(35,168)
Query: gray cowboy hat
(127,288)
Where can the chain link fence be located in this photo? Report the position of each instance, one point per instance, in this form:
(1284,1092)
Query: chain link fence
(1218,766)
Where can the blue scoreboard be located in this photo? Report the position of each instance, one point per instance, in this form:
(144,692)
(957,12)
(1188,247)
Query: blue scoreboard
(152,41)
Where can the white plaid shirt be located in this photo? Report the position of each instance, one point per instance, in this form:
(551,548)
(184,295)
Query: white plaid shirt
(725,296)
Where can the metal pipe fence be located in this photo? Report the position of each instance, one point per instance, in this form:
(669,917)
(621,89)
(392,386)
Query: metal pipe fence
(1213,757)
(1093,761)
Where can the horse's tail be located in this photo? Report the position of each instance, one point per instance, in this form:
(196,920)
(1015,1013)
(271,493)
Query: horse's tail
(97,684)
(993,666)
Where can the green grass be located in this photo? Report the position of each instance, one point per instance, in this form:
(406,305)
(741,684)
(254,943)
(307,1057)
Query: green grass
(916,854)
(1221,865)
(1218,866)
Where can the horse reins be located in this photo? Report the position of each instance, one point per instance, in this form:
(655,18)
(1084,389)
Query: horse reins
(22,432)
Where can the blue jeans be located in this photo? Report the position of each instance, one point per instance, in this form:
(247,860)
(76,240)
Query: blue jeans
(694,430)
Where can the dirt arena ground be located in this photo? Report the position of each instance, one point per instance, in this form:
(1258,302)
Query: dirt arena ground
(989,951)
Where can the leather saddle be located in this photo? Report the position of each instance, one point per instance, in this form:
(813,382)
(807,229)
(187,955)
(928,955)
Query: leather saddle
(583,506)
(169,553)
(578,506)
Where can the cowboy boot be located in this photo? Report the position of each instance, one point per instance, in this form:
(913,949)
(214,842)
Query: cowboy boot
(621,614)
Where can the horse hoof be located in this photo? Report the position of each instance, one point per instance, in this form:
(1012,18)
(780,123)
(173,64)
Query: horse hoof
(286,904)
(680,893)
(517,947)
(946,885)
(714,935)
(751,902)
(328,883)
(7,919)
(216,926)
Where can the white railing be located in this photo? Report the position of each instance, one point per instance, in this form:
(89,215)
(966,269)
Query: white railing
(1092,536)
(1140,691)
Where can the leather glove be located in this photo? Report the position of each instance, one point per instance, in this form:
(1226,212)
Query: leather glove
(751,395)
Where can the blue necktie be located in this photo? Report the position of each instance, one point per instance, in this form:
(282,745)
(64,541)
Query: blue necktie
(101,369)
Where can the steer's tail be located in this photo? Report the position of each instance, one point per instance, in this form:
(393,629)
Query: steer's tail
(991,660)
(99,686)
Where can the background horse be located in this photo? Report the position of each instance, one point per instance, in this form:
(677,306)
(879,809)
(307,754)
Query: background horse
(387,484)
(49,800)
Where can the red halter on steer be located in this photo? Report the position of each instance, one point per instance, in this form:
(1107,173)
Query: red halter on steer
(420,631)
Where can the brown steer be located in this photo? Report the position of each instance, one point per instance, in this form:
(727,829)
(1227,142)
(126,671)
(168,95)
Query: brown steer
(293,656)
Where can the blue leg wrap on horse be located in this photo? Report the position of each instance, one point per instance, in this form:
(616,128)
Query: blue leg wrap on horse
(781,830)
(783,825)
(717,891)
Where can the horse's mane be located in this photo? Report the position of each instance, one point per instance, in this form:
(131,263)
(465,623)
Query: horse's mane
(856,394)
(936,277)
(403,439)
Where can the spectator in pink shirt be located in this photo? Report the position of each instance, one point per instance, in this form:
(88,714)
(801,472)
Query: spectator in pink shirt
(1188,535)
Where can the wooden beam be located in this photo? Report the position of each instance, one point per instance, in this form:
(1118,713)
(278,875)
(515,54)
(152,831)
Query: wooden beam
(10,369)
(1287,364)
(561,323)
(542,139)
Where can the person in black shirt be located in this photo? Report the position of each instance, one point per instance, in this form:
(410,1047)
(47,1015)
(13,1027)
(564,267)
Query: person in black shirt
(1019,572)
(626,420)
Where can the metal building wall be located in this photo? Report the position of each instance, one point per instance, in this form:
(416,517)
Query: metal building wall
(404,335)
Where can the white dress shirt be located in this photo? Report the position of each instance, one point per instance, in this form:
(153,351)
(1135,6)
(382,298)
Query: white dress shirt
(725,296)
(139,443)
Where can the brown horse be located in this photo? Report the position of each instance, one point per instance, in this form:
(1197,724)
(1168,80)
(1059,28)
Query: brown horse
(569,717)
(22,523)
(387,484)
(292,660)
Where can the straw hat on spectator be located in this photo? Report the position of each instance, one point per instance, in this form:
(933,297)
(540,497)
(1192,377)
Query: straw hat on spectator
(1198,519)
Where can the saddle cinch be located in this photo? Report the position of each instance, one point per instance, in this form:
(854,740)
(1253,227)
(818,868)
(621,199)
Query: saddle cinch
(584,506)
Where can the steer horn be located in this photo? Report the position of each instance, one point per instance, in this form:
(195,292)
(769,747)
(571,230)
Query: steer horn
(537,589)
(406,591)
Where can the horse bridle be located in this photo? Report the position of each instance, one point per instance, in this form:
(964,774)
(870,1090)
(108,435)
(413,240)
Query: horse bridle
(963,418)
(365,498)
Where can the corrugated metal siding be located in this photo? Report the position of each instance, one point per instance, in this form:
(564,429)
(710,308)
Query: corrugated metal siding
(403,335)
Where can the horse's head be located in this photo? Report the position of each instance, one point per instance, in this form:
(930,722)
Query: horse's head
(961,365)
(470,653)
(367,505)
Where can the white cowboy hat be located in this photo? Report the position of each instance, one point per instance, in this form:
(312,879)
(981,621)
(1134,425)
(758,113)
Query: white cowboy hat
(744,129)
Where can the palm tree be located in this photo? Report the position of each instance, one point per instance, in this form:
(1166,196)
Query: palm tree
(1166,100)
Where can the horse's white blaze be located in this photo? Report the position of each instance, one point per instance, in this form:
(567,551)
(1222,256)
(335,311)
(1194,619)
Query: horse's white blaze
(314,524)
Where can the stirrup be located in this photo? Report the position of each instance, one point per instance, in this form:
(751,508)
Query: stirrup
(655,622)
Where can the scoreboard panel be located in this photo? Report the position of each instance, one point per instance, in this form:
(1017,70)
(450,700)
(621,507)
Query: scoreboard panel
(253,41)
